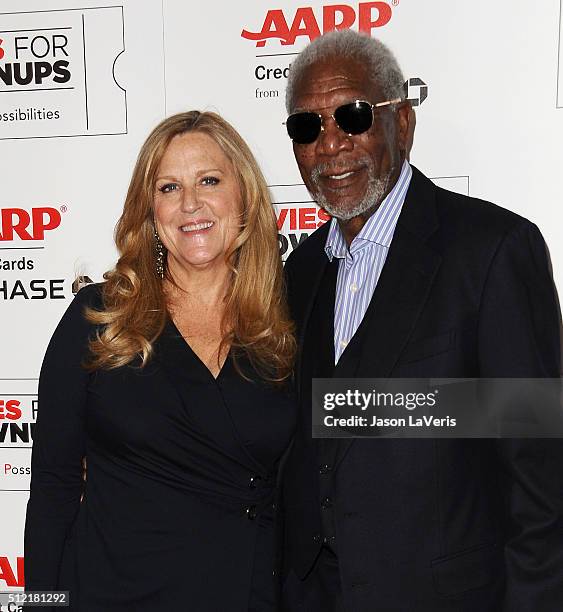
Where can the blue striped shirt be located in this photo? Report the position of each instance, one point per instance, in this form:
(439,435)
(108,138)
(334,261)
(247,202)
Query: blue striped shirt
(360,265)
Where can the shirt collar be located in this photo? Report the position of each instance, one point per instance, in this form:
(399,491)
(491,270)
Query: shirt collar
(379,228)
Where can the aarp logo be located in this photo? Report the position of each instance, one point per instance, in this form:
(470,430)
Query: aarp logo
(311,23)
(28,224)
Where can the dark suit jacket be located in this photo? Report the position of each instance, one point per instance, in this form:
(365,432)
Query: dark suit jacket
(434,525)
(177,508)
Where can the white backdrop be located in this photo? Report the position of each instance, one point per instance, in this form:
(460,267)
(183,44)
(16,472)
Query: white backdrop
(82,82)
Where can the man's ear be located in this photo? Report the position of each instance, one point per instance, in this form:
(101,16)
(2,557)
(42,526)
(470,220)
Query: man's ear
(406,125)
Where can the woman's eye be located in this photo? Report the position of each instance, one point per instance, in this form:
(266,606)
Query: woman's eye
(209,180)
(168,187)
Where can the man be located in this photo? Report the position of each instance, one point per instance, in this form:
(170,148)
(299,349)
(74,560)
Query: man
(411,281)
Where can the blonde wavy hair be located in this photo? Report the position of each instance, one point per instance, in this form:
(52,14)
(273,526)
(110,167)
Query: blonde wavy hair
(134,309)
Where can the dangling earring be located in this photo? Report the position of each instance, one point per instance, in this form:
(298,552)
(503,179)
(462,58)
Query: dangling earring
(159,248)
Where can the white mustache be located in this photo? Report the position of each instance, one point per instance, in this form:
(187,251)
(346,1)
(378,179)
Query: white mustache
(374,193)
(338,167)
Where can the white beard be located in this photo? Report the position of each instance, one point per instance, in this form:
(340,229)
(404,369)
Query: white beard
(373,196)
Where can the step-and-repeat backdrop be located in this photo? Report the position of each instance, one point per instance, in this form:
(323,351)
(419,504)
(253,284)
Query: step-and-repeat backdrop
(82,82)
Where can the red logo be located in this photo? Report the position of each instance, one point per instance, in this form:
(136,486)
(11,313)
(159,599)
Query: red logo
(10,410)
(369,15)
(1,50)
(307,218)
(12,576)
(28,227)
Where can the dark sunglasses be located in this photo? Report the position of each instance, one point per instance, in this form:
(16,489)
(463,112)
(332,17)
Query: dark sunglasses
(353,118)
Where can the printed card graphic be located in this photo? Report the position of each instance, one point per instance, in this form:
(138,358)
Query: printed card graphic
(11,543)
(18,412)
(459,184)
(297,215)
(57,73)
(560,60)
(15,469)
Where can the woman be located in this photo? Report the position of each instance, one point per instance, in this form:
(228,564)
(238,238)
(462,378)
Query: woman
(169,378)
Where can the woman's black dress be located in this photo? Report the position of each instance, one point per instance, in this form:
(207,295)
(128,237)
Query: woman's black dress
(177,511)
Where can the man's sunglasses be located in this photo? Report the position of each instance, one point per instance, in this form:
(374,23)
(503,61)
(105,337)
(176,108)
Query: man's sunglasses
(353,118)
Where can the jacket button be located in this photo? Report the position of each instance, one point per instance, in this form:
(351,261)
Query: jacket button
(254,482)
(325,468)
(326,503)
(251,513)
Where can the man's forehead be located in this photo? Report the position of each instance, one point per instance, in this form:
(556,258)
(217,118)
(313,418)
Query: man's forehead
(330,81)
(333,79)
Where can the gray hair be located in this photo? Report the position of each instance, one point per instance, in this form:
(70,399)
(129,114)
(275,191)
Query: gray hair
(378,58)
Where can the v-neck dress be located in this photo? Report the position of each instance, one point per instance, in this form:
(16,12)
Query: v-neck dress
(177,512)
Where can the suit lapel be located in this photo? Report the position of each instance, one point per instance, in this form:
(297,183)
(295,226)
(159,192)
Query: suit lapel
(404,287)
(400,295)
(318,346)
(303,286)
